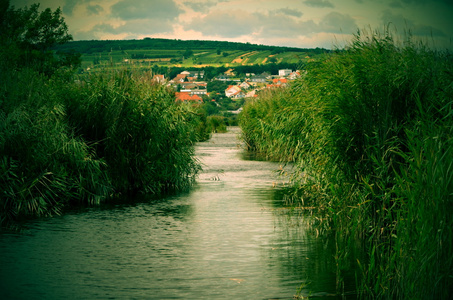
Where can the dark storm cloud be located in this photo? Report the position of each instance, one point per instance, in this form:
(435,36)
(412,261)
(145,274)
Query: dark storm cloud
(404,24)
(410,2)
(319,3)
(146,9)
(405,3)
(395,4)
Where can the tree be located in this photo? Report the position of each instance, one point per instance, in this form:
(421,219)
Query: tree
(188,53)
(33,34)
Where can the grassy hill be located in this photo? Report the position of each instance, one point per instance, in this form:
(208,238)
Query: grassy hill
(149,52)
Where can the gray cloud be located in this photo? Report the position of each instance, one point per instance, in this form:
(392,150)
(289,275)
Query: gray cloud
(132,29)
(274,24)
(68,7)
(319,3)
(277,24)
(146,9)
(228,24)
(290,12)
(201,6)
(94,9)
(336,22)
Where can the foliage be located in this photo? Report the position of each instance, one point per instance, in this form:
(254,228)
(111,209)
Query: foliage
(159,43)
(28,35)
(216,124)
(80,142)
(43,166)
(145,138)
(370,130)
(70,141)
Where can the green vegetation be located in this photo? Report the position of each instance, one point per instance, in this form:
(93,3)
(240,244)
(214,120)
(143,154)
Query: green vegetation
(67,140)
(28,35)
(163,55)
(370,130)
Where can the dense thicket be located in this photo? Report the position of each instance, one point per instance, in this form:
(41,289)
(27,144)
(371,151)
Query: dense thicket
(66,140)
(370,130)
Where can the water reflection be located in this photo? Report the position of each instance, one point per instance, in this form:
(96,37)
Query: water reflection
(230,237)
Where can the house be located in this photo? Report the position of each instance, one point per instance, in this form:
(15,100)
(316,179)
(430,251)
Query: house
(280,81)
(233,91)
(196,74)
(284,72)
(244,85)
(251,94)
(159,79)
(186,97)
(194,88)
(222,77)
(294,75)
(180,78)
(260,78)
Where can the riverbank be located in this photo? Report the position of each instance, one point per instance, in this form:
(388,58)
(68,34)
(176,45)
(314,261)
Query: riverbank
(370,131)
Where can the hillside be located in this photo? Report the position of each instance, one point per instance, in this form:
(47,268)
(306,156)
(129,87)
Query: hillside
(151,52)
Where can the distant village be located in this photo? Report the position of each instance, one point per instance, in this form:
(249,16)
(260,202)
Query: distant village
(190,86)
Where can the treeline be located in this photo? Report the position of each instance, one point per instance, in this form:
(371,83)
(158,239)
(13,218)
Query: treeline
(68,141)
(370,130)
(95,46)
(241,71)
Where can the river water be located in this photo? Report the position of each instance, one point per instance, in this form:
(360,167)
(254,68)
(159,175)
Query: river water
(230,237)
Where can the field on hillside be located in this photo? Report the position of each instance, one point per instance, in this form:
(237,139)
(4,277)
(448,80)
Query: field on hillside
(200,58)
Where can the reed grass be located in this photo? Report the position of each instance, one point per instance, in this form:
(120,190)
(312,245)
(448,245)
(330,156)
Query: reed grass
(70,142)
(370,130)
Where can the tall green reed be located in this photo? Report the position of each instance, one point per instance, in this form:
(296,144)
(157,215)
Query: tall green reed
(145,138)
(43,166)
(355,124)
(66,142)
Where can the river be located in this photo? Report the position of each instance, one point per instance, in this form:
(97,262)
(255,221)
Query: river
(230,237)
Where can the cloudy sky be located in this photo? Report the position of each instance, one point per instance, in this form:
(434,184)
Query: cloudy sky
(298,23)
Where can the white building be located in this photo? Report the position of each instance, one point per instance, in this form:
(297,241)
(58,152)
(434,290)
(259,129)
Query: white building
(284,72)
